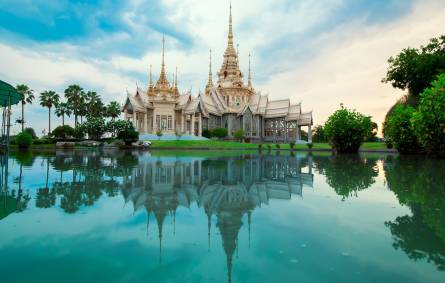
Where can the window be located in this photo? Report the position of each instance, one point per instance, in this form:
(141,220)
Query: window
(163,122)
(170,122)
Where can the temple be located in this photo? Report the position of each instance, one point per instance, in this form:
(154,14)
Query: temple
(228,103)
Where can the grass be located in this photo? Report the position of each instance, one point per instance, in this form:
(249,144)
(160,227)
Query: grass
(212,144)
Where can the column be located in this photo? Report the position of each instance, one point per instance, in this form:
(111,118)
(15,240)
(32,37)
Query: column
(134,120)
(153,126)
(182,122)
(285,131)
(297,129)
(192,125)
(200,125)
(145,122)
(309,133)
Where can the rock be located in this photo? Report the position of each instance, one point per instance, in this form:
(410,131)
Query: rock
(89,143)
(65,144)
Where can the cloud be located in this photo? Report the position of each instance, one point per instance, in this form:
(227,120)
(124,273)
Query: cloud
(351,61)
(319,52)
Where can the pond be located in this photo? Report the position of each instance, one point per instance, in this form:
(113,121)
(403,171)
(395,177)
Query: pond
(226,216)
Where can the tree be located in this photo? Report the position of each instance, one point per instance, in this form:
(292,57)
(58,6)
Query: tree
(94,105)
(414,69)
(429,120)
(239,135)
(219,133)
(63,109)
(113,110)
(75,100)
(347,129)
(27,96)
(95,127)
(319,134)
(49,99)
(399,131)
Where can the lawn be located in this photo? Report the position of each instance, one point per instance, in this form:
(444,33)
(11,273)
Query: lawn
(212,144)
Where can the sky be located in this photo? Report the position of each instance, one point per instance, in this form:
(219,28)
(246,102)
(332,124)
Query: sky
(319,52)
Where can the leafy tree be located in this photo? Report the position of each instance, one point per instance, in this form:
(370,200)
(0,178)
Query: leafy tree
(429,120)
(319,134)
(23,140)
(95,127)
(347,129)
(27,96)
(75,99)
(414,69)
(62,110)
(63,132)
(399,131)
(113,110)
(31,132)
(49,99)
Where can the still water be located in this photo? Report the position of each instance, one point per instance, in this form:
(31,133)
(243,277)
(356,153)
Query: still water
(221,217)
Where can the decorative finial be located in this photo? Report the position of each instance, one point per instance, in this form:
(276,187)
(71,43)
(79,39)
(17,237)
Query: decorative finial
(230,26)
(209,82)
(150,83)
(176,77)
(249,83)
(163,49)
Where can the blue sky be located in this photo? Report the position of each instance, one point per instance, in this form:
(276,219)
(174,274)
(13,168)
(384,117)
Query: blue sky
(307,50)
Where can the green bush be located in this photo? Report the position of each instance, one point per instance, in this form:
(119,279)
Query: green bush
(63,132)
(129,136)
(398,130)
(277,146)
(239,135)
(23,140)
(319,134)
(347,129)
(95,127)
(292,145)
(220,133)
(206,133)
(79,132)
(43,140)
(31,132)
(429,119)
(309,145)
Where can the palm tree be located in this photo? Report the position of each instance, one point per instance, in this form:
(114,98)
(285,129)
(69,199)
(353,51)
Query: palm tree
(95,106)
(27,96)
(113,110)
(75,100)
(63,109)
(49,99)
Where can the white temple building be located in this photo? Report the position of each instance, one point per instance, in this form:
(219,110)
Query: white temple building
(229,103)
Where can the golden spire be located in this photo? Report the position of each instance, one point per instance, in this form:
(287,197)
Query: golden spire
(209,82)
(249,82)
(150,81)
(230,36)
(176,77)
(163,81)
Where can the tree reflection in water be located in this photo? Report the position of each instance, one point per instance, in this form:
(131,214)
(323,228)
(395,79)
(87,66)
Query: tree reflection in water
(419,183)
(347,174)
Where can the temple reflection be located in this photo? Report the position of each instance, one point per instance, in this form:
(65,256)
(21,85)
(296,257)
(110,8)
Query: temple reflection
(227,188)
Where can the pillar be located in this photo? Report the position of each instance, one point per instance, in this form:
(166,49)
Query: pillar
(200,125)
(145,122)
(297,129)
(192,125)
(182,122)
(134,120)
(309,133)
(153,127)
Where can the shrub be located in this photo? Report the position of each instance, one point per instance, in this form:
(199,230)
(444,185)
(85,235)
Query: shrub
(277,146)
(429,119)
(43,140)
(79,132)
(23,140)
(398,130)
(159,133)
(347,129)
(219,133)
(63,132)
(239,135)
(129,136)
(260,147)
(319,134)
(31,132)
(269,147)
(292,145)
(206,133)
(310,145)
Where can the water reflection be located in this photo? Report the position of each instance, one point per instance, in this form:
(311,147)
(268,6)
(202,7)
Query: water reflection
(420,184)
(229,189)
